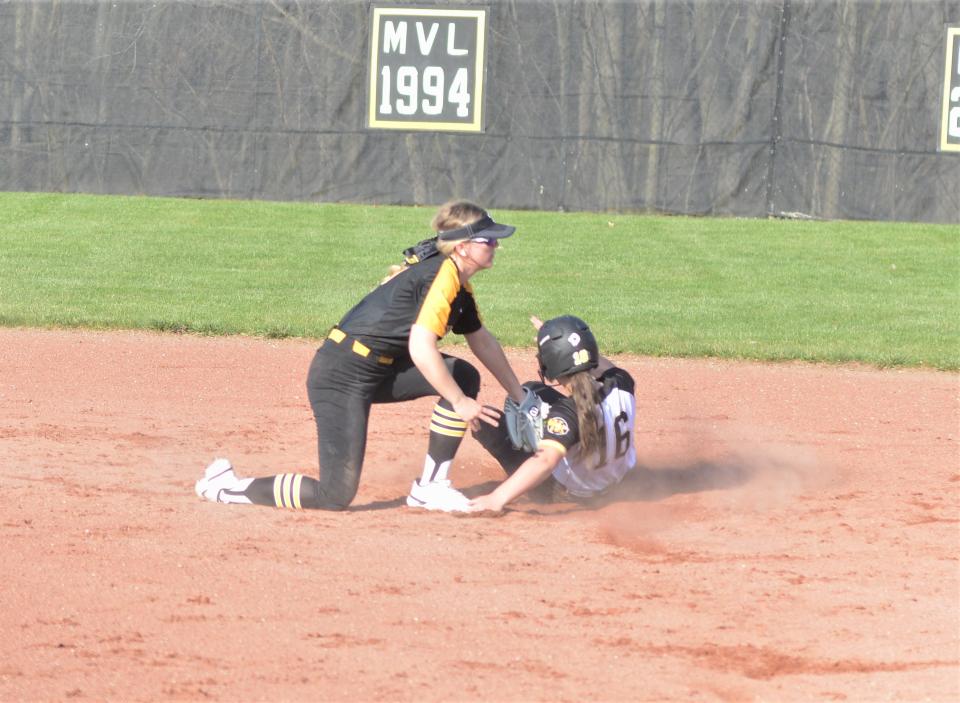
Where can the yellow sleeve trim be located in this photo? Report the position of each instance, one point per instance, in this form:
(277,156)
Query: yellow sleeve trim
(435,311)
(553,444)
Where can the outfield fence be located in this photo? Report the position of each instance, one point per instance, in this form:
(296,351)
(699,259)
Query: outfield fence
(764,108)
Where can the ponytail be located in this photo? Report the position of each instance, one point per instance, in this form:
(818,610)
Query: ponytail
(585,396)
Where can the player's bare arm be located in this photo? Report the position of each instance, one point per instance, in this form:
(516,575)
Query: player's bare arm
(491,355)
(426,356)
(533,472)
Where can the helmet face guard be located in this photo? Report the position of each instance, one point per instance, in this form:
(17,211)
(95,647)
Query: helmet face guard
(565,345)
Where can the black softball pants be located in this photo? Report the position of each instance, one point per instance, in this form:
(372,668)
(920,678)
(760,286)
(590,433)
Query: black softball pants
(341,387)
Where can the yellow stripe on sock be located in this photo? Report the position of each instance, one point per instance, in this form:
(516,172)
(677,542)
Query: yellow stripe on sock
(440,410)
(288,491)
(449,424)
(445,431)
(298,479)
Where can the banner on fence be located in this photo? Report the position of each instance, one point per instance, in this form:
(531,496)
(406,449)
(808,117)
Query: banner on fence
(426,69)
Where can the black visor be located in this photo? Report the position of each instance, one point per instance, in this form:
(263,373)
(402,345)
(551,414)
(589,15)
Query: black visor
(484,227)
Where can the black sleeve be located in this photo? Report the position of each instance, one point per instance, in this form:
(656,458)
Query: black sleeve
(619,378)
(469,318)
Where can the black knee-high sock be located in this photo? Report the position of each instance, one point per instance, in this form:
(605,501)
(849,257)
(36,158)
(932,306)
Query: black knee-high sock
(446,433)
(295,491)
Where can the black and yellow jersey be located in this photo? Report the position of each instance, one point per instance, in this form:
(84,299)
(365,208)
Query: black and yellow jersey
(428,293)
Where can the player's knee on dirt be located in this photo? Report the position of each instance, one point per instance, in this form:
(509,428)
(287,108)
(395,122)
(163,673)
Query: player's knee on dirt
(336,489)
(312,497)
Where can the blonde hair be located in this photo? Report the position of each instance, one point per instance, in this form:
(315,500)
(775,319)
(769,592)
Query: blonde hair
(583,390)
(454,215)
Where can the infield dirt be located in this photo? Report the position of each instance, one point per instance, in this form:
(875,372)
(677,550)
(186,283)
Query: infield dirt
(792,534)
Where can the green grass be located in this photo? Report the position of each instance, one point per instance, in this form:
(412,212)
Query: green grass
(886,294)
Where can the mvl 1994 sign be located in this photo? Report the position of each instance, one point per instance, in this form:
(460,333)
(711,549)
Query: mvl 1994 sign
(426,69)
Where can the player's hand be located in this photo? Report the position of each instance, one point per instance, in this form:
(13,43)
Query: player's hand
(471,412)
(536,322)
(485,504)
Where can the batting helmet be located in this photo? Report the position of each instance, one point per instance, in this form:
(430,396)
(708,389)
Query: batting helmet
(565,345)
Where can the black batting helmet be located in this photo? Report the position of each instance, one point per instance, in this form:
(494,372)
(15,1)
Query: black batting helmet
(565,345)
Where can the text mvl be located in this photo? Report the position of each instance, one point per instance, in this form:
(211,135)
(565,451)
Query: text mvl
(395,37)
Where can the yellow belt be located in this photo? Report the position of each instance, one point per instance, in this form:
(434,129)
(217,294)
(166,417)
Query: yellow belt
(338,335)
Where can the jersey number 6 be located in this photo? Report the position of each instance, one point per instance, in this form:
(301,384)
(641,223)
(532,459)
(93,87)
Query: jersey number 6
(621,439)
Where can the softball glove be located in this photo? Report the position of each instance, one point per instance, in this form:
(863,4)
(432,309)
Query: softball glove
(524,421)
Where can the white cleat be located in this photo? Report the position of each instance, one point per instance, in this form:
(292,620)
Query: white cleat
(437,495)
(217,477)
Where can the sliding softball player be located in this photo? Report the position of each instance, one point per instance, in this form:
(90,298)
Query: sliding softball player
(572,445)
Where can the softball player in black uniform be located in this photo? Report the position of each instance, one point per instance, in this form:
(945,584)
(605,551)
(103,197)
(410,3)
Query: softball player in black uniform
(587,440)
(384,350)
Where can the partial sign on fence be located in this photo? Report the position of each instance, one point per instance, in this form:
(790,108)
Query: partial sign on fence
(950,117)
(426,69)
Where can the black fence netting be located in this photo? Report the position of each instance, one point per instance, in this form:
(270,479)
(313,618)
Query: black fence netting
(820,109)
